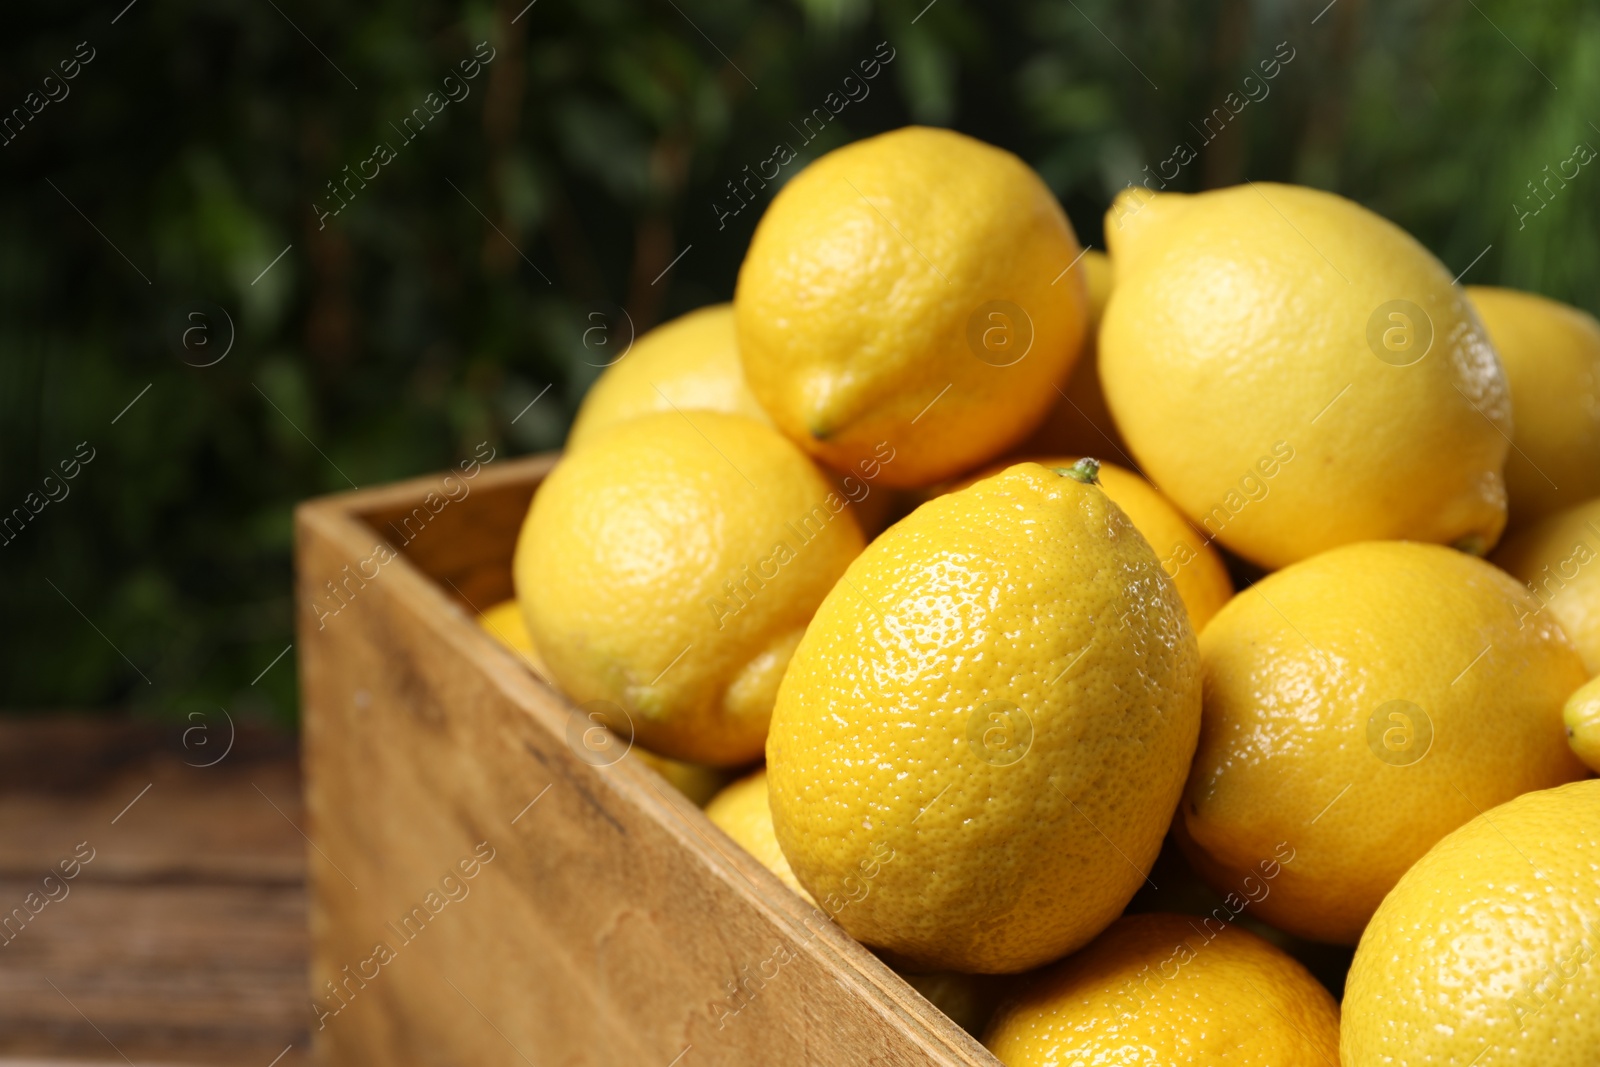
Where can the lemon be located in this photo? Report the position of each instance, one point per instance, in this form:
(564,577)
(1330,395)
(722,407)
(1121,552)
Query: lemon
(692,364)
(1169,989)
(1098,279)
(741,812)
(1582,717)
(695,781)
(1559,558)
(1297,373)
(667,570)
(910,292)
(1188,559)
(1485,952)
(1080,423)
(689,363)
(1359,706)
(978,745)
(1551,355)
(968,999)
(504,622)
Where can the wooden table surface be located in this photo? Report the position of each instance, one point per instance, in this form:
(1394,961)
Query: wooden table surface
(183,939)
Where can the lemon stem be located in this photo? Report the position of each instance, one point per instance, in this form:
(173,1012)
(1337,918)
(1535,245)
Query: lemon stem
(1086,470)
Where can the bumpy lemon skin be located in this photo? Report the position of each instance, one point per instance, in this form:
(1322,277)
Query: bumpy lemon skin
(741,811)
(1559,559)
(1582,718)
(878,277)
(1187,558)
(1163,989)
(977,747)
(1299,746)
(670,566)
(505,623)
(1236,359)
(690,363)
(1485,952)
(1551,355)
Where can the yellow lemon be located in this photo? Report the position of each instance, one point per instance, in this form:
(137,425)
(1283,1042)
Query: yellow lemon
(1359,706)
(911,291)
(1484,954)
(1559,558)
(968,999)
(1080,424)
(692,364)
(667,570)
(1582,716)
(1098,279)
(978,745)
(504,622)
(1297,373)
(741,811)
(1189,560)
(689,363)
(695,781)
(1551,355)
(1163,989)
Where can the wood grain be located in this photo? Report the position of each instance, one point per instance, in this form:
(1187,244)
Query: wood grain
(613,925)
(183,939)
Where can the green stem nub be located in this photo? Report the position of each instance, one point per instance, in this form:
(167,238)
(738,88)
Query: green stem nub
(1086,470)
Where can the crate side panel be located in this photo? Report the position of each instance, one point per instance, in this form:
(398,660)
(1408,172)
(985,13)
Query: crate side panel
(606,923)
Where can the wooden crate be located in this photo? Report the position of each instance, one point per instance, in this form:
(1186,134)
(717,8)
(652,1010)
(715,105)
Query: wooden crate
(606,920)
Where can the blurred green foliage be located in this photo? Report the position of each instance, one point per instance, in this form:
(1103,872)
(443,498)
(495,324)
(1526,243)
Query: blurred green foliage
(186,154)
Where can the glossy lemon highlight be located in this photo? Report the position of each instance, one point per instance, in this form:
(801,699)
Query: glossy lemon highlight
(1551,355)
(911,289)
(1162,989)
(1193,565)
(1359,706)
(977,748)
(1297,373)
(1582,718)
(667,570)
(1485,953)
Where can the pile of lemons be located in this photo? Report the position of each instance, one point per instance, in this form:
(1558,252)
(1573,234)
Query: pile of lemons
(848,524)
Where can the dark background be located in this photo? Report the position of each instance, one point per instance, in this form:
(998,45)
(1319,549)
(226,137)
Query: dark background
(460,281)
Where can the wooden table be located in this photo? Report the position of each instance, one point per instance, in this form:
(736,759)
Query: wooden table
(183,939)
